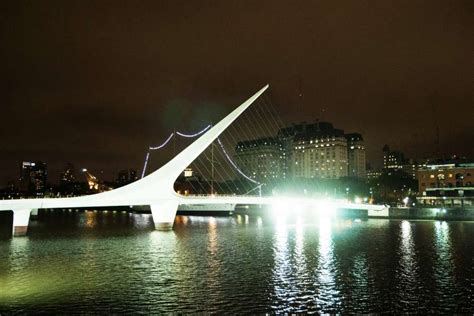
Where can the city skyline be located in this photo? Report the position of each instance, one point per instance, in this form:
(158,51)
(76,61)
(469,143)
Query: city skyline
(236,157)
(95,85)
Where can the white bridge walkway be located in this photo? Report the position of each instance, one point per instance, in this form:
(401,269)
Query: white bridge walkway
(156,189)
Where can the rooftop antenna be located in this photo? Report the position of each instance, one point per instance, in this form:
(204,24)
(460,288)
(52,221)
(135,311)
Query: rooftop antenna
(300,92)
(323,110)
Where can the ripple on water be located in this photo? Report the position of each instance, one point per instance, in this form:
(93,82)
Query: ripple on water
(224,265)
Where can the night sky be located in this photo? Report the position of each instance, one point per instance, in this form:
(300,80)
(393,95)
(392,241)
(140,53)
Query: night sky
(96,82)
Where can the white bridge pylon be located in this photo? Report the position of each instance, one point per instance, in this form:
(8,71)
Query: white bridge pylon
(155,190)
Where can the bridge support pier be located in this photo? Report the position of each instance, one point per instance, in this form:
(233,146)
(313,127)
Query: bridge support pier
(21,217)
(164,214)
(34,212)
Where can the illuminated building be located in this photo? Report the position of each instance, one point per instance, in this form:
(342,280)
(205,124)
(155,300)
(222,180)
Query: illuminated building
(318,150)
(33,177)
(261,159)
(446,176)
(126,176)
(356,155)
(392,159)
(68,176)
(448,184)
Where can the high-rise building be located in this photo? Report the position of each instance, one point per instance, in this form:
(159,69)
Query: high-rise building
(126,176)
(315,150)
(33,177)
(261,159)
(286,135)
(392,159)
(319,151)
(68,176)
(356,155)
(373,174)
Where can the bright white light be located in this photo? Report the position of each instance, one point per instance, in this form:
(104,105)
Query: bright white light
(325,209)
(84,170)
(280,206)
(405,201)
(358,200)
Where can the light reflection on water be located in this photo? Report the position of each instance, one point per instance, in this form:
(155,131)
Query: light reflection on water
(281,271)
(444,264)
(408,278)
(328,294)
(116,262)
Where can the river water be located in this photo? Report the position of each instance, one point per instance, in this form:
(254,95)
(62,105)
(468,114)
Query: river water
(115,262)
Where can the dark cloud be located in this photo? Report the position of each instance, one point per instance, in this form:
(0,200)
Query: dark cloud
(95,82)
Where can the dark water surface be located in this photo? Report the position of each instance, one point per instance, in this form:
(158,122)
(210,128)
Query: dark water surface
(115,262)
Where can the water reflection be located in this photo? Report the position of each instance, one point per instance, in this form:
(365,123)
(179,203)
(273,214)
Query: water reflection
(213,259)
(301,266)
(281,270)
(444,264)
(90,220)
(212,233)
(282,274)
(328,295)
(239,219)
(362,286)
(299,234)
(301,263)
(299,284)
(407,272)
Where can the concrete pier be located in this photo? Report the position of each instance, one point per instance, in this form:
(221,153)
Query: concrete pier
(164,214)
(21,218)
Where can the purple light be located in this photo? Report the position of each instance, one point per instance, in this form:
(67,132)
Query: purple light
(146,162)
(164,144)
(233,164)
(193,135)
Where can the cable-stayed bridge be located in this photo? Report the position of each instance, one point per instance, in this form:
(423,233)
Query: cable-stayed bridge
(156,189)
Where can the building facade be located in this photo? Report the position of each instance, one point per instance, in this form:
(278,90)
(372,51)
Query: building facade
(318,150)
(33,177)
(446,176)
(68,176)
(450,184)
(356,155)
(392,159)
(262,159)
(315,150)
(320,153)
(126,176)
